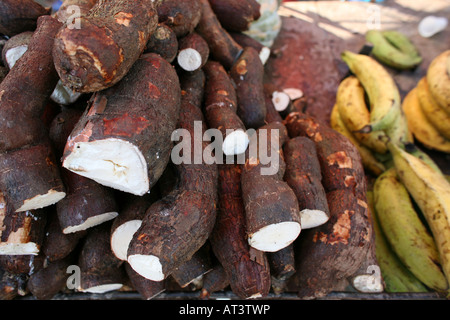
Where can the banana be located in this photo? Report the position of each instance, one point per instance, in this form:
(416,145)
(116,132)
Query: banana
(388,53)
(434,113)
(383,94)
(419,125)
(438,77)
(431,192)
(399,132)
(405,232)
(355,114)
(396,276)
(401,42)
(367,158)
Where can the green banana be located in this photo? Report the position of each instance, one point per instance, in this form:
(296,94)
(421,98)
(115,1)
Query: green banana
(396,276)
(398,132)
(431,191)
(401,42)
(389,53)
(384,96)
(405,232)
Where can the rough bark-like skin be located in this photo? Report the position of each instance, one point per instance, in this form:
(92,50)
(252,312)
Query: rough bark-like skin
(303,174)
(164,42)
(220,99)
(339,159)
(195,268)
(178,225)
(111,38)
(142,109)
(247,268)
(248,73)
(65,15)
(275,202)
(182,16)
(213,281)
(196,42)
(11,284)
(282,263)
(236,15)
(222,46)
(17,16)
(329,254)
(148,289)
(245,40)
(22,264)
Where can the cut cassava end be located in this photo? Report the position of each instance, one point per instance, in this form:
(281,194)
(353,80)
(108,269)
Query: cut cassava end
(128,148)
(235,143)
(147,288)
(15,47)
(163,42)
(275,236)
(182,16)
(148,266)
(193,52)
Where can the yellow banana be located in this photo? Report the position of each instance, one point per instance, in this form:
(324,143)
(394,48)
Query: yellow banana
(438,77)
(419,125)
(405,232)
(355,114)
(383,94)
(431,191)
(367,157)
(434,113)
(396,276)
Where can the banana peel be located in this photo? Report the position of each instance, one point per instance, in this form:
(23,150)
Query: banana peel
(438,78)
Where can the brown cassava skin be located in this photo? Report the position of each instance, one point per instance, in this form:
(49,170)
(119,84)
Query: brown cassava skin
(213,281)
(236,15)
(21,39)
(247,268)
(196,42)
(22,264)
(282,268)
(148,289)
(220,99)
(142,109)
(47,282)
(182,16)
(248,73)
(178,225)
(330,254)
(276,202)
(65,14)
(303,174)
(111,38)
(339,159)
(85,198)
(164,42)
(193,269)
(17,16)
(222,46)
(245,40)
(11,284)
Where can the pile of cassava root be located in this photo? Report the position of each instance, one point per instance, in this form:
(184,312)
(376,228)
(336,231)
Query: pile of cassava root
(91,199)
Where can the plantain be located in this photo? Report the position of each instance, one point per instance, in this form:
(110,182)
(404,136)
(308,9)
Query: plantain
(438,118)
(355,114)
(419,125)
(438,77)
(382,92)
(396,276)
(405,232)
(401,42)
(431,191)
(367,157)
(387,49)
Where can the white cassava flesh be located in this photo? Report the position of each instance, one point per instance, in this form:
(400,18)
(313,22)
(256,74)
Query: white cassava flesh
(275,237)
(312,218)
(91,222)
(189,59)
(29,248)
(148,266)
(42,200)
(235,143)
(103,288)
(280,100)
(115,163)
(121,238)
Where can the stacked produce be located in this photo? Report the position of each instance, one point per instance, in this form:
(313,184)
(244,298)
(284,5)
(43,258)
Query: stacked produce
(96,196)
(410,197)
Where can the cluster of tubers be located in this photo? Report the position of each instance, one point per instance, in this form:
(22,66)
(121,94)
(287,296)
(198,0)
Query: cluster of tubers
(86,174)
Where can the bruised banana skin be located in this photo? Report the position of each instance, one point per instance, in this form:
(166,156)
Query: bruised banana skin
(438,118)
(368,159)
(419,125)
(387,53)
(405,232)
(384,96)
(355,114)
(438,77)
(431,191)
(396,276)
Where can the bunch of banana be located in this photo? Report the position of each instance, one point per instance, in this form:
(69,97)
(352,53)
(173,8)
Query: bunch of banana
(426,107)
(393,49)
(405,233)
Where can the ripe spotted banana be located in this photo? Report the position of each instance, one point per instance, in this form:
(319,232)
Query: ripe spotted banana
(405,232)
(419,125)
(387,49)
(434,113)
(383,94)
(396,276)
(438,77)
(355,114)
(431,191)
(367,157)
